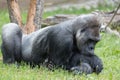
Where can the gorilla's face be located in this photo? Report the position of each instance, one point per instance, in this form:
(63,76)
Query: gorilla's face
(87,38)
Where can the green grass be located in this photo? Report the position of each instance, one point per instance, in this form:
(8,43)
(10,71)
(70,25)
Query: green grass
(78,11)
(108,49)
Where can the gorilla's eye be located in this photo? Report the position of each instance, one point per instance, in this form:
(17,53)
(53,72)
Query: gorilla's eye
(83,30)
(92,41)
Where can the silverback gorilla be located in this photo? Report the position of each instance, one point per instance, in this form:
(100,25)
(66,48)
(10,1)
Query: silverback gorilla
(69,45)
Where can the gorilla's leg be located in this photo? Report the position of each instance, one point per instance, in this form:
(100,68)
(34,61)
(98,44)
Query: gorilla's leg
(11,43)
(7,58)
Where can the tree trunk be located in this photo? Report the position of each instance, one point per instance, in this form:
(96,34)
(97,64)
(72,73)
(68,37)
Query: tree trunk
(38,14)
(14,12)
(34,16)
(30,27)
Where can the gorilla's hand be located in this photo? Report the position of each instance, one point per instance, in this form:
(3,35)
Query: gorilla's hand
(97,65)
(84,68)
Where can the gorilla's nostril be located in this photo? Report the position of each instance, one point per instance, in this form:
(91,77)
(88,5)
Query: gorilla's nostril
(91,48)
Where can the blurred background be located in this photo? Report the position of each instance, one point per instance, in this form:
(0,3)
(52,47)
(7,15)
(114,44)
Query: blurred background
(108,49)
(61,3)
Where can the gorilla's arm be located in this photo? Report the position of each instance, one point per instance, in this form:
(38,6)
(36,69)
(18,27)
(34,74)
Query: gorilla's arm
(96,64)
(86,64)
(82,68)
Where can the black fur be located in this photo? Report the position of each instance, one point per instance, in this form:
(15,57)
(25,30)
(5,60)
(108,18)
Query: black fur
(11,43)
(92,63)
(56,43)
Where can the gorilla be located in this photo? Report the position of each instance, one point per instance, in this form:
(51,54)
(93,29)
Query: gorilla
(69,45)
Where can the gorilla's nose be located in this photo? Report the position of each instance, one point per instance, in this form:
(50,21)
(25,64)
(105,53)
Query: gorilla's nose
(91,48)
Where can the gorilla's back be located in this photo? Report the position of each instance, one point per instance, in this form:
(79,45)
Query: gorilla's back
(29,40)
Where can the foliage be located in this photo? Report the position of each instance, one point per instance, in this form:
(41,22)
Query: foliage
(108,49)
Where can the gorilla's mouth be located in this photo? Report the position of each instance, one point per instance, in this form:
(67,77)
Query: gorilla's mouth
(90,50)
(87,51)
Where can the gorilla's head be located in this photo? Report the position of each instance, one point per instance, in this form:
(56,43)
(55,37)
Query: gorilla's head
(87,33)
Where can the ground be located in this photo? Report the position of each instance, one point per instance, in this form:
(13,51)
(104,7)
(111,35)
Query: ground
(108,49)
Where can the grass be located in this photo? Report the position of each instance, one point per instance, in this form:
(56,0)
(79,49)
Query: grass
(77,11)
(108,49)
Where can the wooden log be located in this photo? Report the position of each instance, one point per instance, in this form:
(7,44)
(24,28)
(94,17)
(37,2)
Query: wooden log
(114,27)
(106,16)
